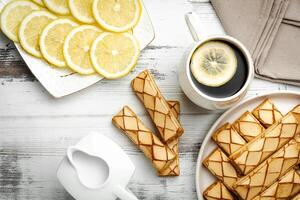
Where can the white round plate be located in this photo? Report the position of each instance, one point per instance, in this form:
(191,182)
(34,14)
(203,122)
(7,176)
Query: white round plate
(283,100)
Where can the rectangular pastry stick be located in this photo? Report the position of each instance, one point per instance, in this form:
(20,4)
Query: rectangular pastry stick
(285,188)
(296,109)
(173,169)
(267,113)
(219,165)
(146,89)
(174,107)
(260,148)
(160,155)
(297,197)
(296,112)
(217,191)
(228,139)
(248,126)
(269,171)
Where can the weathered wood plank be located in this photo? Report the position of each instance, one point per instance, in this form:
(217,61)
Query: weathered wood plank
(33,147)
(11,64)
(29,99)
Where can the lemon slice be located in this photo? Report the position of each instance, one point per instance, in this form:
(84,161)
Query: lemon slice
(12,15)
(117,15)
(77,48)
(39,2)
(214,63)
(52,40)
(114,54)
(31,29)
(57,6)
(82,10)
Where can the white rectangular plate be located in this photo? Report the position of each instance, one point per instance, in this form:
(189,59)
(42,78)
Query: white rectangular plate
(62,82)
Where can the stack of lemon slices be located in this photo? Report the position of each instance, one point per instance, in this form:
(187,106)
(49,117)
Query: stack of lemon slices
(87,36)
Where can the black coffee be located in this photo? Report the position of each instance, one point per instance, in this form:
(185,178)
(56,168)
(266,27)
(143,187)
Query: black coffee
(232,86)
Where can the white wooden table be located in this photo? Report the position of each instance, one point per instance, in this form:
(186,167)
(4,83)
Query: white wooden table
(36,129)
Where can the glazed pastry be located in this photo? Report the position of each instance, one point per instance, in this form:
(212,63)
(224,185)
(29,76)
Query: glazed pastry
(285,188)
(269,171)
(173,169)
(219,165)
(146,89)
(267,113)
(248,126)
(228,139)
(217,191)
(256,151)
(160,155)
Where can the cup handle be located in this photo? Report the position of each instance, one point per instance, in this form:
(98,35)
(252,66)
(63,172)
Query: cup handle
(202,28)
(124,194)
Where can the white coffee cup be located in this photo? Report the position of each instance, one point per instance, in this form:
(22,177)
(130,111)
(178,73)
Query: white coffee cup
(203,31)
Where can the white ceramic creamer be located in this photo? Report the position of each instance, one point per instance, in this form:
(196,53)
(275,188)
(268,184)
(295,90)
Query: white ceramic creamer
(96,168)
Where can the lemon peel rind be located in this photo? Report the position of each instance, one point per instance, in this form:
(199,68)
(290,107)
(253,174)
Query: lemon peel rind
(52,8)
(39,2)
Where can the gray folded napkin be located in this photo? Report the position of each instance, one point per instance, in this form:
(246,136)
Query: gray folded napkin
(292,15)
(270,29)
(282,64)
(291,22)
(293,11)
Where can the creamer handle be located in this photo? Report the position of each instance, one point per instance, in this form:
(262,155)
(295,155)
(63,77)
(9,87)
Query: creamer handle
(124,194)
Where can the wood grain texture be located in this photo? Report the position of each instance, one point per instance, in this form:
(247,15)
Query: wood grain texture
(36,129)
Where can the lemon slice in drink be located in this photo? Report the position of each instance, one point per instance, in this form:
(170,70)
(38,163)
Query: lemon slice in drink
(77,48)
(52,40)
(82,10)
(117,15)
(114,54)
(57,6)
(39,2)
(12,15)
(214,63)
(31,29)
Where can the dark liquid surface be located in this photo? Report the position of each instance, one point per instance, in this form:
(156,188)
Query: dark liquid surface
(232,86)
